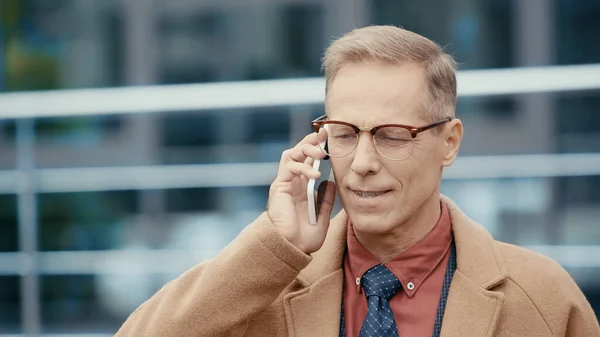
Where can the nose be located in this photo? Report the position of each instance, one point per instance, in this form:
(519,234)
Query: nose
(366,158)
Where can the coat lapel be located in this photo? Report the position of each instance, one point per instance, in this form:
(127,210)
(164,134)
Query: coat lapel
(473,308)
(470,310)
(315,309)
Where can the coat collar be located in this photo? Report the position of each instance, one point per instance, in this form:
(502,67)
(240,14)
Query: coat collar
(478,258)
(330,257)
(471,304)
(473,308)
(315,310)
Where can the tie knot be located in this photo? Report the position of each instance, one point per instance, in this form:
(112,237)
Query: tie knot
(381,282)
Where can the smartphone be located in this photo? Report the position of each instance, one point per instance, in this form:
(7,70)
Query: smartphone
(316,188)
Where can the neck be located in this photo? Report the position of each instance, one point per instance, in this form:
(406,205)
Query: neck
(385,246)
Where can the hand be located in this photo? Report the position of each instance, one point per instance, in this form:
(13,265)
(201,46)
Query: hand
(287,207)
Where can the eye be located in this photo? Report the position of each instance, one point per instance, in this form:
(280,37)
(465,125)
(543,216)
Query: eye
(341,133)
(345,136)
(393,136)
(395,141)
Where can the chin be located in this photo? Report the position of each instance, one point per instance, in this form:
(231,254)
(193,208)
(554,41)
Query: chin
(375,223)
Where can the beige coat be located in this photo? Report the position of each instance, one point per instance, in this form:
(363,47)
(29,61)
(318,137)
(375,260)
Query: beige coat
(261,285)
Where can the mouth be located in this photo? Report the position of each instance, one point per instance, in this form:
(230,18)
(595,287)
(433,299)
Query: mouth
(370,194)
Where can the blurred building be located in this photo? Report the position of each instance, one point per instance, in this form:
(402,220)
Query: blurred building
(81,246)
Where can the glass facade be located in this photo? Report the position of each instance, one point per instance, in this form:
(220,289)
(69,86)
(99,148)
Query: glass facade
(87,277)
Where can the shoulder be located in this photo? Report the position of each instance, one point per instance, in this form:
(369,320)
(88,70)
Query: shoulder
(543,282)
(548,286)
(525,263)
(535,273)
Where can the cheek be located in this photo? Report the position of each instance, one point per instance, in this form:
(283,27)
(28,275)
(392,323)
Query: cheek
(421,179)
(413,175)
(427,158)
(403,172)
(340,168)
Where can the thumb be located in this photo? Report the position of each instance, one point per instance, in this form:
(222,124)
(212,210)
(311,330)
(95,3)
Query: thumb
(327,193)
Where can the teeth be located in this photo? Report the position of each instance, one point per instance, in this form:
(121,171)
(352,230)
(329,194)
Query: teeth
(369,194)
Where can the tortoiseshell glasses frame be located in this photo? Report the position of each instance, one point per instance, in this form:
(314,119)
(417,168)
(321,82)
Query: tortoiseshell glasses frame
(396,144)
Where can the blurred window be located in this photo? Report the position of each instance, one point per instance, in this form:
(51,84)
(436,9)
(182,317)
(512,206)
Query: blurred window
(577,29)
(10,305)
(86,220)
(476,32)
(9,235)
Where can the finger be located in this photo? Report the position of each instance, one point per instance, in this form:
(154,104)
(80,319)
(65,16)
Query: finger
(322,138)
(288,156)
(310,160)
(293,169)
(313,138)
(313,151)
(304,152)
(297,153)
(316,151)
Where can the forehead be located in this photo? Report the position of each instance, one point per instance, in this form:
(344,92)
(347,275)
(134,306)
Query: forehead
(369,94)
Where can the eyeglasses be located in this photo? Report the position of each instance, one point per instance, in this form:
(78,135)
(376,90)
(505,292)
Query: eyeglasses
(392,141)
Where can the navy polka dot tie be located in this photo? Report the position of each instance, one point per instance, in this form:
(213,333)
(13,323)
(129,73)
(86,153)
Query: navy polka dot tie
(380,285)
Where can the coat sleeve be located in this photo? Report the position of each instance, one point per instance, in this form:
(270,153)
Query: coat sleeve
(567,306)
(582,320)
(218,297)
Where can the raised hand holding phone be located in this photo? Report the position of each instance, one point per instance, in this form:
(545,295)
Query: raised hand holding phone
(288,198)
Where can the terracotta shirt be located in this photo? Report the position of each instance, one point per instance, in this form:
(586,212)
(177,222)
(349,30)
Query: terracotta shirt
(420,270)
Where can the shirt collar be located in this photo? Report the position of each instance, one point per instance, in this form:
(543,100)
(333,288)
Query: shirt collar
(414,265)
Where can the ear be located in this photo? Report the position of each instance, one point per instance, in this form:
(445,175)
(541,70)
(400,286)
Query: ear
(452,137)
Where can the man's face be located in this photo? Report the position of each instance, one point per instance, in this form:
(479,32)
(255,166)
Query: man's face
(367,95)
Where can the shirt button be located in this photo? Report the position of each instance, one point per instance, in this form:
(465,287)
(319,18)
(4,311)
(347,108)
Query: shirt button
(410,286)
(357,280)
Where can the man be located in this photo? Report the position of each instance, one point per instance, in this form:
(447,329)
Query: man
(400,260)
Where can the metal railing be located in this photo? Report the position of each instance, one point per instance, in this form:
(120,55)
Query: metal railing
(26,180)
(161,98)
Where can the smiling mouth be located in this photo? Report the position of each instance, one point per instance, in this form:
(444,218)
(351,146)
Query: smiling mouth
(370,194)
